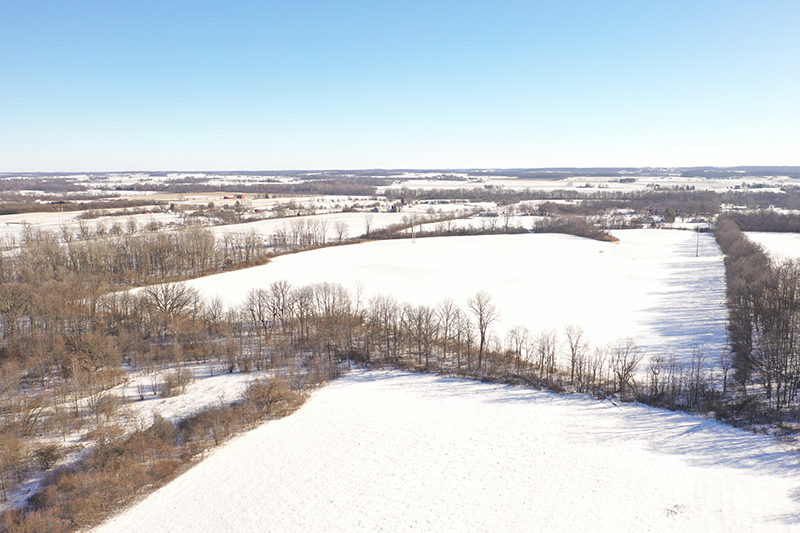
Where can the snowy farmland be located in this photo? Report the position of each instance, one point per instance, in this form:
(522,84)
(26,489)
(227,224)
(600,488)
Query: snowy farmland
(392,451)
(777,245)
(649,286)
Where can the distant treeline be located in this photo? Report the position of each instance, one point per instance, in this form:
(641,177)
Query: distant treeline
(740,172)
(335,187)
(766,220)
(684,202)
(52,185)
(13,204)
(594,201)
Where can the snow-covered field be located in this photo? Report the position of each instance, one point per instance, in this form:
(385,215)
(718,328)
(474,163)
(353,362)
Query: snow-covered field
(777,245)
(355,222)
(649,286)
(391,451)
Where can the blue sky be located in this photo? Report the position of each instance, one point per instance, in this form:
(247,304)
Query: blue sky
(178,85)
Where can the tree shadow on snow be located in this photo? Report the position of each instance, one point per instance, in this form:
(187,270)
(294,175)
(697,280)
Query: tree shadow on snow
(697,441)
(691,313)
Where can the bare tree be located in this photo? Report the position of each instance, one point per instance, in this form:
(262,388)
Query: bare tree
(696,377)
(384,321)
(280,298)
(322,230)
(446,312)
(369,219)
(595,367)
(14,301)
(578,346)
(130,225)
(625,358)
(485,313)
(84,231)
(67,233)
(168,300)
(423,327)
(519,345)
(341,230)
(656,365)
(546,350)
(257,309)
(464,337)
(12,454)
(725,364)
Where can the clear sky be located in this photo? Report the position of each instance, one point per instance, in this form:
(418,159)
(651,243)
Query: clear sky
(198,85)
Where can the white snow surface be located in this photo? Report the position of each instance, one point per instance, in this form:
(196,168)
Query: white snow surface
(649,287)
(393,451)
(210,386)
(777,245)
(356,225)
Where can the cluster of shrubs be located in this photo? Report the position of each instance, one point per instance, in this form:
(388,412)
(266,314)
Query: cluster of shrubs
(573,226)
(124,465)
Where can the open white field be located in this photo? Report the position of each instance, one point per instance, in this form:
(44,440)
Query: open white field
(356,224)
(649,286)
(391,451)
(777,245)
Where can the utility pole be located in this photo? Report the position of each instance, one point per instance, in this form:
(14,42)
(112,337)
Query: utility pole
(697,251)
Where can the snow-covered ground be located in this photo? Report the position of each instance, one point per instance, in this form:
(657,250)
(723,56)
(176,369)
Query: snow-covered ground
(649,286)
(391,451)
(777,245)
(355,222)
(210,386)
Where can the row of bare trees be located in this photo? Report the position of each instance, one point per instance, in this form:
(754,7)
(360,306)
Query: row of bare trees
(764,318)
(307,232)
(134,259)
(333,323)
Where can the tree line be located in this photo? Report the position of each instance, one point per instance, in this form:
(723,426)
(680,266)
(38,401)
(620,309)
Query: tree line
(596,201)
(767,220)
(763,299)
(128,256)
